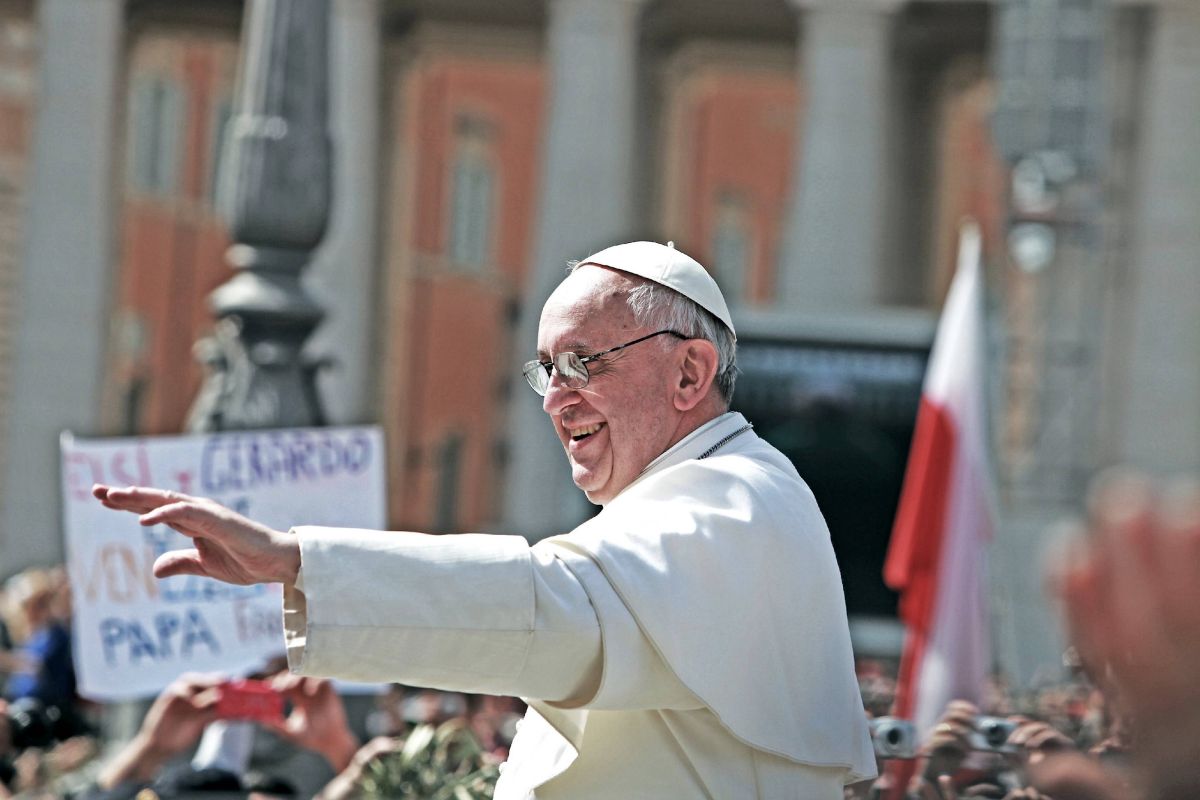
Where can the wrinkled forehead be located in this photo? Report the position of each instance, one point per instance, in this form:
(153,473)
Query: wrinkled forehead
(588,308)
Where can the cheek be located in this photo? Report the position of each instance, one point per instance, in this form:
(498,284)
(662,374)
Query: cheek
(638,432)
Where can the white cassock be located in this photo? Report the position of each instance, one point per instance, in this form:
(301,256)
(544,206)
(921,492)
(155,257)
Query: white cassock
(690,641)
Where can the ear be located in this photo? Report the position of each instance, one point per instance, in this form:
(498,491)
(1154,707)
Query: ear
(697,369)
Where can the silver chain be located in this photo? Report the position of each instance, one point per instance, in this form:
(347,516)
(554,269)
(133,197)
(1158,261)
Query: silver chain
(726,440)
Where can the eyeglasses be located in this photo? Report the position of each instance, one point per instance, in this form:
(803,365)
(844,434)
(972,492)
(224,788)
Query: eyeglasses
(573,367)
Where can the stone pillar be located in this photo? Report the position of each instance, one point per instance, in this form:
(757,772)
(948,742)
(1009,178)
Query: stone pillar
(1161,424)
(345,272)
(586,199)
(65,275)
(833,246)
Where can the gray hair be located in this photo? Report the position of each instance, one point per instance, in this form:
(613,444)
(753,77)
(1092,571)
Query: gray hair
(662,308)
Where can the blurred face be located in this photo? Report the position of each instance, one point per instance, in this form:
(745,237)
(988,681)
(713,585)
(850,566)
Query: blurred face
(625,417)
(37,609)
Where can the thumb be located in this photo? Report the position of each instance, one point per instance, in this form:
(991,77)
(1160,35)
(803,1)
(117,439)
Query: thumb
(178,562)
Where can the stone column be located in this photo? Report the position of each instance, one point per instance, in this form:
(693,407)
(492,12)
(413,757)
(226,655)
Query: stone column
(835,232)
(345,272)
(65,275)
(586,199)
(1161,425)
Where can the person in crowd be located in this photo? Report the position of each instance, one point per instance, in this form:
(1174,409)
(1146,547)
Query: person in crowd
(7,645)
(688,641)
(185,709)
(316,722)
(44,669)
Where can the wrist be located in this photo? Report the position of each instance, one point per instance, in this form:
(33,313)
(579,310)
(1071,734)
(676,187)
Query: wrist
(289,557)
(138,762)
(339,750)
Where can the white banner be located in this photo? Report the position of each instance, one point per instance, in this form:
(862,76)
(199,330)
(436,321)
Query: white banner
(135,634)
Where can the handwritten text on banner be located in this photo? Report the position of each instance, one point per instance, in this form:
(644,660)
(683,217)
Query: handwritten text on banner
(134,634)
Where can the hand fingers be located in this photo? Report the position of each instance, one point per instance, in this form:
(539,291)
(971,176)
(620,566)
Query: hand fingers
(284,682)
(377,747)
(1079,586)
(1122,512)
(207,699)
(1073,776)
(293,687)
(197,682)
(1033,735)
(179,562)
(1179,518)
(138,499)
(186,516)
(964,709)
(1048,739)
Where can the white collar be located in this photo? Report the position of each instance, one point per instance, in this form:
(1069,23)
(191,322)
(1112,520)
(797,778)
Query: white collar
(693,445)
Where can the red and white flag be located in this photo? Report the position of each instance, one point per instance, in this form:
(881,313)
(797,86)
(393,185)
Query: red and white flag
(938,550)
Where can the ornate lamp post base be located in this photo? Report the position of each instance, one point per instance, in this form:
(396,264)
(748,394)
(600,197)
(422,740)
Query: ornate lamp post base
(276,196)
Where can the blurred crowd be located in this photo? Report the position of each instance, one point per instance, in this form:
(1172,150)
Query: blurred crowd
(196,741)
(1126,724)
(994,749)
(1123,723)
(44,725)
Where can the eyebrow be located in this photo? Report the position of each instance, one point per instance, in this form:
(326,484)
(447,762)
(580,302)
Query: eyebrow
(573,347)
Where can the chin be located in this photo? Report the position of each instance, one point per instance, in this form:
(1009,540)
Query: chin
(595,495)
(591,494)
(599,495)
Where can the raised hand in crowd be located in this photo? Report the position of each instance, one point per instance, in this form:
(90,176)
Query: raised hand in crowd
(946,790)
(1075,776)
(1131,593)
(1034,740)
(228,546)
(317,721)
(173,724)
(349,781)
(949,742)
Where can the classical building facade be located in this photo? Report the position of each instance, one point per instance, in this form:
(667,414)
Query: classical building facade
(817,155)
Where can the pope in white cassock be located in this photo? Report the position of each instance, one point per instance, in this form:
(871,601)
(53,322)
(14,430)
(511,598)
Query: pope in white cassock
(690,641)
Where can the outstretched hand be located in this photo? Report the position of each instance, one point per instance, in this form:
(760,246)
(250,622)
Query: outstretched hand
(1131,592)
(228,546)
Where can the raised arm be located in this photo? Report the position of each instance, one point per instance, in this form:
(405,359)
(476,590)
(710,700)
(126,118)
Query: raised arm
(228,546)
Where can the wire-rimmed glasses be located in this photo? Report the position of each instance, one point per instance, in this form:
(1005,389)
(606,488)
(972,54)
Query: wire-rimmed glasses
(573,367)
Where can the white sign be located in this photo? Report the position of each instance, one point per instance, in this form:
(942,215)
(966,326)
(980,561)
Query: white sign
(135,634)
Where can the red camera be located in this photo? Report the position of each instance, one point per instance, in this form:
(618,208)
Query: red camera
(249,700)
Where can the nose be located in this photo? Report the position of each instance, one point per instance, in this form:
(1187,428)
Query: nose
(559,396)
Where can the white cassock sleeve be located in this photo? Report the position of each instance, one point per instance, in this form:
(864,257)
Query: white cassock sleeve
(472,613)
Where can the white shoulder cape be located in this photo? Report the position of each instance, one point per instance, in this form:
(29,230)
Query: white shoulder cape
(726,564)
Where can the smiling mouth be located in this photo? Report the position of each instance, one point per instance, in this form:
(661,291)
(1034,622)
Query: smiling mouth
(579,434)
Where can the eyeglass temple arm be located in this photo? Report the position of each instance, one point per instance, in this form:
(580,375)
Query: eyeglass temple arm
(594,356)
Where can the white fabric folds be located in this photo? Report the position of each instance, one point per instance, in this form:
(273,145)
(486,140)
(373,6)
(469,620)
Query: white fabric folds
(727,566)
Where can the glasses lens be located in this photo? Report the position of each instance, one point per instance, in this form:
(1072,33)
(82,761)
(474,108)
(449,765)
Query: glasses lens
(538,376)
(574,372)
